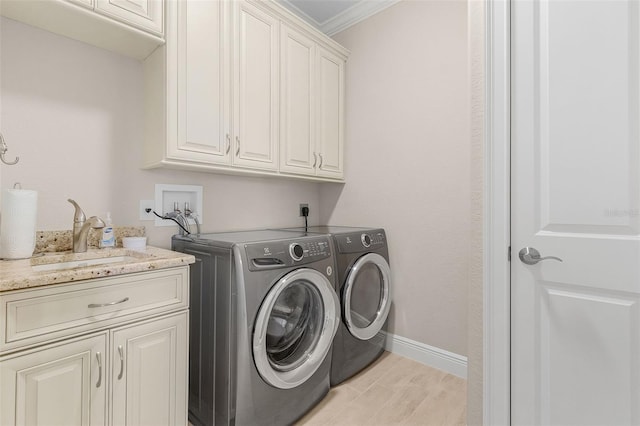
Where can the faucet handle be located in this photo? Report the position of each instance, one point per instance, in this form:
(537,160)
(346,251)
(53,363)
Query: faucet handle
(95,222)
(79,216)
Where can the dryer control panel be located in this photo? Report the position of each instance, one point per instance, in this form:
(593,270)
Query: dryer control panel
(280,254)
(361,242)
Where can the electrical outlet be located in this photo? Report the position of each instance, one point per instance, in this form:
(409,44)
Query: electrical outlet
(301,206)
(147,204)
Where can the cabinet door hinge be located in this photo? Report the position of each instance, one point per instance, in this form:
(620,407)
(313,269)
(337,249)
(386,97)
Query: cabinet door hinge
(509,253)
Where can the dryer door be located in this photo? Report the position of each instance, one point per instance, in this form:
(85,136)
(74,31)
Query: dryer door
(295,327)
(366,296)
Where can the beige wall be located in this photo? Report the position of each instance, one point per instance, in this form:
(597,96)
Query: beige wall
(73,113)
(408,160)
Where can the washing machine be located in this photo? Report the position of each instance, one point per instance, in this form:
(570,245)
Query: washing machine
(263,315)
(364,287)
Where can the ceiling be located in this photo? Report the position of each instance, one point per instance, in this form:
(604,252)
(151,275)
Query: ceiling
(333,16)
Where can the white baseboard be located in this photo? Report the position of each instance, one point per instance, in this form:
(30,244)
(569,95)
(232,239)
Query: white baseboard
(428,355)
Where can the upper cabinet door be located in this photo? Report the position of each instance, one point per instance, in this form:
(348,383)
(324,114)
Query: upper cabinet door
(200,56)
(85,3)
(330,123)
(256,88)
(297,103)
(144,14)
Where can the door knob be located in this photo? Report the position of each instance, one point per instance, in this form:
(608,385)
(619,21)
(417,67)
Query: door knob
(531,256)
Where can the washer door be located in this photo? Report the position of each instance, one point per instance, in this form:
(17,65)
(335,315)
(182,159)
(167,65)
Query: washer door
(366,296)
(295,327)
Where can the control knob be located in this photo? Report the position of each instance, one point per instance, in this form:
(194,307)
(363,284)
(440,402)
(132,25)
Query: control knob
(366,240)
(296,251)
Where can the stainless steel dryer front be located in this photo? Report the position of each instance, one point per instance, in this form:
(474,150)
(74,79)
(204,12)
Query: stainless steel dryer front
(264,313)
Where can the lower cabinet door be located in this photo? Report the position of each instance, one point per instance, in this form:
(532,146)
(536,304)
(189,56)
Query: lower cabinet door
(149,372)
(62,384)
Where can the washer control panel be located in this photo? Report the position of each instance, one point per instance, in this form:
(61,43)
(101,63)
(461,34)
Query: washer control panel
(278,254)
(359,242)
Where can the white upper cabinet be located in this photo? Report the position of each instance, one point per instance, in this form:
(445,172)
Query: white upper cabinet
(131,27)
(297,113)
(255,87)
(330,106)
(235,89)
(85,3)
(147,15)
(197,129)
(312,96)
(198,89)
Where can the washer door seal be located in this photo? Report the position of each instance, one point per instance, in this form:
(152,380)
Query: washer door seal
(379,262)
(291,339)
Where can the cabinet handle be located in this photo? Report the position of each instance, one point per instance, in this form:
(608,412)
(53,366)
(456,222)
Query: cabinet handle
(320,165)
(228,144)
(99,359)
(102,305)
(315,160)
(238,145)
(120,352)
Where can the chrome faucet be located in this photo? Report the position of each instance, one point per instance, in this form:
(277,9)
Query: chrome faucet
(81,226)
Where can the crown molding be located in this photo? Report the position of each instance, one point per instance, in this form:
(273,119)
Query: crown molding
(361,10)
(356,13)
(301,13)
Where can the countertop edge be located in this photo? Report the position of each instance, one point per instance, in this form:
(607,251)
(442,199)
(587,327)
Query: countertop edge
(19,274)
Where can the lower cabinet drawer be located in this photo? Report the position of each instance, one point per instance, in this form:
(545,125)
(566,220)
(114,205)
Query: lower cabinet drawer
(36,315)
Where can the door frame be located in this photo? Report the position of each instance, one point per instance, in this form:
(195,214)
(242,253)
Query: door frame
(497,213)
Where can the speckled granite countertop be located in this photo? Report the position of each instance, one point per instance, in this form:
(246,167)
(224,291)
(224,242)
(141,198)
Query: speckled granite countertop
(56,241)
(26,273)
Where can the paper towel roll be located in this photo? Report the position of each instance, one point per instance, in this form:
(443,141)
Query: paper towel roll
(18,214)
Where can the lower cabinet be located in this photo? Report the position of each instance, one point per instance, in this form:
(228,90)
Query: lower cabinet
(63,384)
(105,351)
(149,372)
(142,366)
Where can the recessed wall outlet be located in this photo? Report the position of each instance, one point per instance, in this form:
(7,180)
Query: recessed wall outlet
(168,196)
(301,206)
(147,204)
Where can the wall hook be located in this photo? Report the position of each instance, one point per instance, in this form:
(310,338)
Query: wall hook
(3,151)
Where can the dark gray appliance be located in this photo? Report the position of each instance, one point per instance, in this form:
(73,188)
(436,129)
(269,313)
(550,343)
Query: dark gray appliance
(263,316)
(364,287)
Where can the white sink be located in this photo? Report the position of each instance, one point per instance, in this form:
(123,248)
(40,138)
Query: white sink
(59,266)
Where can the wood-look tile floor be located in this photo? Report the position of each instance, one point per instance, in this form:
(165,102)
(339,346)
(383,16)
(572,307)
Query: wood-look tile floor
(393,391)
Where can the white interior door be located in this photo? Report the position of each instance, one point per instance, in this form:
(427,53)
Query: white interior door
(575,188)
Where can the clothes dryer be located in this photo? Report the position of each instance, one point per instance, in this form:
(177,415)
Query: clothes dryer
(264,313)
(364,287)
